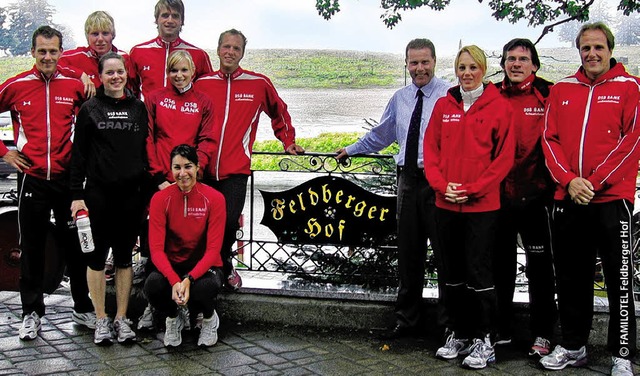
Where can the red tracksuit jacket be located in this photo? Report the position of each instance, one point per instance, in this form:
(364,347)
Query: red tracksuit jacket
(84,59)
(44,114)
(238,99)
(591,131)
(178,118)
(475,148)
(186,228)
(529,177)
(149,62)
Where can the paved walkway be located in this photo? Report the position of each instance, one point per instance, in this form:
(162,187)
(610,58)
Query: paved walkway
(65,348)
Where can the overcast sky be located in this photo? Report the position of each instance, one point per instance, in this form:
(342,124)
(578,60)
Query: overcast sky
(296,24)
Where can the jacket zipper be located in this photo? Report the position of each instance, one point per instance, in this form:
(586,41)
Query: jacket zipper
(224,125)
(584,130)
(48,106)
(185,206)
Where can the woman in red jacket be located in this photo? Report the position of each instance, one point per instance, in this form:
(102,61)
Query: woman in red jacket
(186,225)
(178,114)
(468,150)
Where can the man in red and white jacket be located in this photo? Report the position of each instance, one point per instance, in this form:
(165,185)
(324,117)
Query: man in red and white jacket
(149,59)
(43,104)
(100,31)
(591,145)
(238,97)
(526,198)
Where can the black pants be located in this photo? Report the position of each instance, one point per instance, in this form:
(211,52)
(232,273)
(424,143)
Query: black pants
(234,190)
(532,222)
(37,198)
(466,242)
(202,294)
(115,213)
(579,231)
(416,225)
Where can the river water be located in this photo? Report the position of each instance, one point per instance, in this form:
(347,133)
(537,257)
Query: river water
(314,111)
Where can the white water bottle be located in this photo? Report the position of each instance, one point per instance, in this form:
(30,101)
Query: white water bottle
(84,231)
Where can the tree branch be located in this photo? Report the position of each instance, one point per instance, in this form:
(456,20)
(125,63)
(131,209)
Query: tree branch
(549,28)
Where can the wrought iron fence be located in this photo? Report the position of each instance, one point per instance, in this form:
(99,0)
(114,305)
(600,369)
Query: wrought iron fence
(368,266)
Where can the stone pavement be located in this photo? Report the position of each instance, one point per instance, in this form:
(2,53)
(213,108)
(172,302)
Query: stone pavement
(243,349)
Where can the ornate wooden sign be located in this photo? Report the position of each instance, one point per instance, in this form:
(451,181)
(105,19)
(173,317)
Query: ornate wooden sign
(330,210)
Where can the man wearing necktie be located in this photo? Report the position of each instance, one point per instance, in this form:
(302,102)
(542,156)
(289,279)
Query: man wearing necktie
(405,120)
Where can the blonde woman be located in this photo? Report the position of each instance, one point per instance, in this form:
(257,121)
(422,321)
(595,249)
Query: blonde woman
(468,150)
(178,114)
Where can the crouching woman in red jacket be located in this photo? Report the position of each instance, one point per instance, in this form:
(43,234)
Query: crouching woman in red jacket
(468,150)
(186,226)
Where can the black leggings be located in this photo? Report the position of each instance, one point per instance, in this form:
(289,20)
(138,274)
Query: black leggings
(234,190)
(202,295)
(115,214)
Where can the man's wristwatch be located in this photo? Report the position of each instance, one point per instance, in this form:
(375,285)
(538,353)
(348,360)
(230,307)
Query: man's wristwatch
(190,278)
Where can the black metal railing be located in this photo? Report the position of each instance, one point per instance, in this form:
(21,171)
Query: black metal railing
(371,266)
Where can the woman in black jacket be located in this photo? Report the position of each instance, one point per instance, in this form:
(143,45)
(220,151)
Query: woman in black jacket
(109,152)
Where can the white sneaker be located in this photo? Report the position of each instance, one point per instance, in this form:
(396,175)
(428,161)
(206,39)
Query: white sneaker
(103,335)
(173,331)
(621,367)
(30,327)
(452,347)
(561,357)
(124,333)
(87,319)
(482,354)
(146,320)
(209,331)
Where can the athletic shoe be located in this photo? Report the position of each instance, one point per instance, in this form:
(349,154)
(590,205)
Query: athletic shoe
(185,316)
(502,339)
(541,347)
(209,331)
(621,367)
(30,327)
(146,320)
(124,334)
(87,319)
(452,347)
(109,269)
(173,331)
(561,357)
(199,319)
(103,336)
(482,354)
(234,280)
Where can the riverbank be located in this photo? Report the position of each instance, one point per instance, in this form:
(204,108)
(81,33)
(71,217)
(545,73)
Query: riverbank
(339,69)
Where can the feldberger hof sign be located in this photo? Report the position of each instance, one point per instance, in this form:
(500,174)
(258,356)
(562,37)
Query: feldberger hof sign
(330,210)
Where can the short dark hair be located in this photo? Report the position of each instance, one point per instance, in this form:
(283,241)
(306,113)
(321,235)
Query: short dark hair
(47,32)
(524,43)
(107,56)
(611,40)
(418,44)
(170,4)
(186,151)
(233,32)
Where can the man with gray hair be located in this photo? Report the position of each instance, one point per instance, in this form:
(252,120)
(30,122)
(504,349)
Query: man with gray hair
(404,121)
